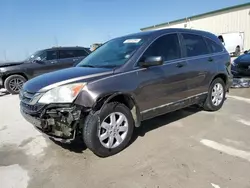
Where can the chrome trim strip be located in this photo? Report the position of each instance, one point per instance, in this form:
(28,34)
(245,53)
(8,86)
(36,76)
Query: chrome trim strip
(164,105)
(73,80)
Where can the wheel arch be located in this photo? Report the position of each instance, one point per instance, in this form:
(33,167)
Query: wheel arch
(220,75)
(124,98)
(11,74)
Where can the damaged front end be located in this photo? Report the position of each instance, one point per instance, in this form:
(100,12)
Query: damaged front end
(60,122)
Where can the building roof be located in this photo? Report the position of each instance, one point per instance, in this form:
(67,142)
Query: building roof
(197,16)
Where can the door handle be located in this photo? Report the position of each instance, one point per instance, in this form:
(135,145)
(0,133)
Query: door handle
(210,59)
(179,65)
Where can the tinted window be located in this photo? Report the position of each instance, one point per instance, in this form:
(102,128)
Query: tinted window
(166,46)
(67,54)
(213,46)
(194,45)
(80,53)
(51,55)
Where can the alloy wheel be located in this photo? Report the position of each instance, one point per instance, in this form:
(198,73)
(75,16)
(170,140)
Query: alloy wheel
(16,84)
(113,130)
(217,94)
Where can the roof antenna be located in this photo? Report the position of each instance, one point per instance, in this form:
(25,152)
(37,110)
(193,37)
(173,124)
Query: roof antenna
(56,41)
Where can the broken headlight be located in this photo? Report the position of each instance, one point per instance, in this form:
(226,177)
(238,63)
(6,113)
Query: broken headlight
(62,94)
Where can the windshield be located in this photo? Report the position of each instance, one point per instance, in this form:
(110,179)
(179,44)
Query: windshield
(34,56)
(113,53)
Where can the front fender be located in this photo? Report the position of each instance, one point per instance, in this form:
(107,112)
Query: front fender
(89,100)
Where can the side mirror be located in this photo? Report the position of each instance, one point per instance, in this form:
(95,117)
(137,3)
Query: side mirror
(152,61)
(38,60)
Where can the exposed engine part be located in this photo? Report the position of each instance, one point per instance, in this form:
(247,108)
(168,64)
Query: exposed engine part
(61,122)
(241,83)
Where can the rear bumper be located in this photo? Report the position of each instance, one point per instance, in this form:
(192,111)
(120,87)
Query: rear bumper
(229,83)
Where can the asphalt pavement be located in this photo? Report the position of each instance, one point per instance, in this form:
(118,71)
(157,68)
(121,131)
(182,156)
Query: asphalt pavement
(189,148)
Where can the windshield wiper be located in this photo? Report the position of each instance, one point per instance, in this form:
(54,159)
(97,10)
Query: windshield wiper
(107,66)
(88,66)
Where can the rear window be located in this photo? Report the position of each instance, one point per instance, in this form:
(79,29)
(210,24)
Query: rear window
(194,45)
(213,46)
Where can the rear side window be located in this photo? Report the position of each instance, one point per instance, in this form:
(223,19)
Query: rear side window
(213,46)
(80,53)
(67,54)
(194,45)
(166,46)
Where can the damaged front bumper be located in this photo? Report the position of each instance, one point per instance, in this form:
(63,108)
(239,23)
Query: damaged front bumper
(59,122)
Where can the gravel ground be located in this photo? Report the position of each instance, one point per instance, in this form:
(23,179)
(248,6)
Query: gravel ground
(185,149)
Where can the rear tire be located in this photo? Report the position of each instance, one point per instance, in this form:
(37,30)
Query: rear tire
(237,51)
(100,140)
(216,95)
(14,83)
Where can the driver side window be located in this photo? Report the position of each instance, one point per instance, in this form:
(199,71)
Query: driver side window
(166,46)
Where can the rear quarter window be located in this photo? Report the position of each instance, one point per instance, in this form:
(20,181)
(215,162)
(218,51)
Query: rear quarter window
(213,46)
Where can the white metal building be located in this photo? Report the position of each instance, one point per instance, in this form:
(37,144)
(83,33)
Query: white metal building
(227,20)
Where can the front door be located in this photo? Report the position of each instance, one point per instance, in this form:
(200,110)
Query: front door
(163,85)
(47,64)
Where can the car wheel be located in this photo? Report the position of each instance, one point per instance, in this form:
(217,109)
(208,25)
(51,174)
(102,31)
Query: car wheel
(14,83)
(216,95)
(108,131)
(237,51)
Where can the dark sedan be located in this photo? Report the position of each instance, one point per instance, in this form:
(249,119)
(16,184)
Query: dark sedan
(241,65)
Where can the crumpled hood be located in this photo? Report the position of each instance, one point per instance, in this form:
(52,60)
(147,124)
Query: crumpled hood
(245,58)
(65,76)
(8,64)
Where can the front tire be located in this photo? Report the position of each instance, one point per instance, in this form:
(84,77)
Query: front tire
(14,83)
(109,131)
(216,95)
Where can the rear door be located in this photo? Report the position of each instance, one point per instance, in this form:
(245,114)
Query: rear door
(67,58)
(165,84)
(201,63)
(80,54)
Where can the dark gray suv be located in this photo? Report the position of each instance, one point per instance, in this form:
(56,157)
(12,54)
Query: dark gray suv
(126,81)
(14,74)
